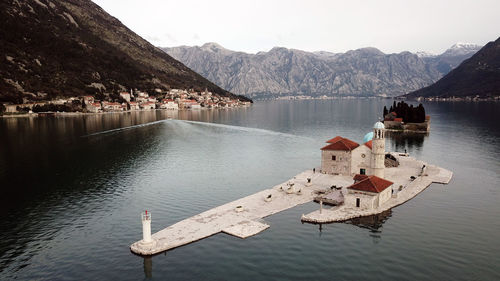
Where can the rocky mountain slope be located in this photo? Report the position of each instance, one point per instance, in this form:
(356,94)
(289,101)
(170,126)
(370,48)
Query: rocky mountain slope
(52,48)
(281,71)
(476,76)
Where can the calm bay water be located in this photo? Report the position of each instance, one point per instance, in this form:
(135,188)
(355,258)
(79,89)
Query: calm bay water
(72,190)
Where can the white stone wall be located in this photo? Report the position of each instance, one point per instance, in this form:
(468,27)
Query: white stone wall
(384,196)
(342,164)
(359,162)
(367,200)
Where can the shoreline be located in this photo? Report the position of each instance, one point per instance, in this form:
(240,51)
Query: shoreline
(77,114)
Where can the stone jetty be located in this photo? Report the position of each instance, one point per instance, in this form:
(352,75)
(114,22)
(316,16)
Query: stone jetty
(243,217)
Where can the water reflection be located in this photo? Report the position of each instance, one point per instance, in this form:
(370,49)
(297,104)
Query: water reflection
(148,267)
(373,223)
(405,141)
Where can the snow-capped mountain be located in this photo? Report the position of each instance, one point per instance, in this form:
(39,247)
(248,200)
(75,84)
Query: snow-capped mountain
(461,49)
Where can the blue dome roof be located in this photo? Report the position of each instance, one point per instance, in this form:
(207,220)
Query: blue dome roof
(379,125)
(368,137)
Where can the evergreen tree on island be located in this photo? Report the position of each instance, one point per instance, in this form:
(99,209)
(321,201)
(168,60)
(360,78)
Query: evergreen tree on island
(409,113)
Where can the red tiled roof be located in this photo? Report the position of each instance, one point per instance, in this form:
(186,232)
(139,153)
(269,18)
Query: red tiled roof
(371,184)
(359,177)
(335,139)
(340,143)
(369,144)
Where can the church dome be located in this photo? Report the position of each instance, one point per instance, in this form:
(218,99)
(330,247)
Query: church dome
(368,137)
(379,125)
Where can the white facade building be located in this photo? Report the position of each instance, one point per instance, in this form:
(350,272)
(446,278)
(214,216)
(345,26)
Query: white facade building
(368,192)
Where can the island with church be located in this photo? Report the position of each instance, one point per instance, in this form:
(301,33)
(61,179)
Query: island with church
(354,180)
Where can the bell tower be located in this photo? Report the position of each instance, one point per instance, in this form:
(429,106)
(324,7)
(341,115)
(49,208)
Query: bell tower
(378,150)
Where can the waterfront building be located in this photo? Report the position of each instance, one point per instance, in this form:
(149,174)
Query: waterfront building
(195,105)
(94,107)
(169,104)
(148,105)
(134,105)
(111,106)
(342,156)
(368,192)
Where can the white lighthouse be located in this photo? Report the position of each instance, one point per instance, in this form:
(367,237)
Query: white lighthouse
(146,227)
(378,150)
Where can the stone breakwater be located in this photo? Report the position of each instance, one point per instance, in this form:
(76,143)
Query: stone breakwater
(243,217)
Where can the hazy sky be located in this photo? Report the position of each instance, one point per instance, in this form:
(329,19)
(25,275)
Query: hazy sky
(336,26)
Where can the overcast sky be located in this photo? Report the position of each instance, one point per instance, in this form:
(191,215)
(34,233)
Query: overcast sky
(337,26)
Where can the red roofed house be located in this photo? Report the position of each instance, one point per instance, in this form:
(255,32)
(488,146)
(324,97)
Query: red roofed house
(368,192)
(342,156)
(94,107)
(111,106)
(148,105)
(169,104)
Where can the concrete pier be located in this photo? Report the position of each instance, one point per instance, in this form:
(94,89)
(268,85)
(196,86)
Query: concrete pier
(243,217)
(246,222)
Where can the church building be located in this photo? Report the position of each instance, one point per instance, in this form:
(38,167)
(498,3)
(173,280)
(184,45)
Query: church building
(345,157)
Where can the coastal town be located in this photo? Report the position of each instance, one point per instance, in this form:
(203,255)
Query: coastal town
(174,99)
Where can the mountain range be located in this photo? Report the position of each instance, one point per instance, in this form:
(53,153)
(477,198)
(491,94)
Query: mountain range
(476,76)
(282,71)
(52,48)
